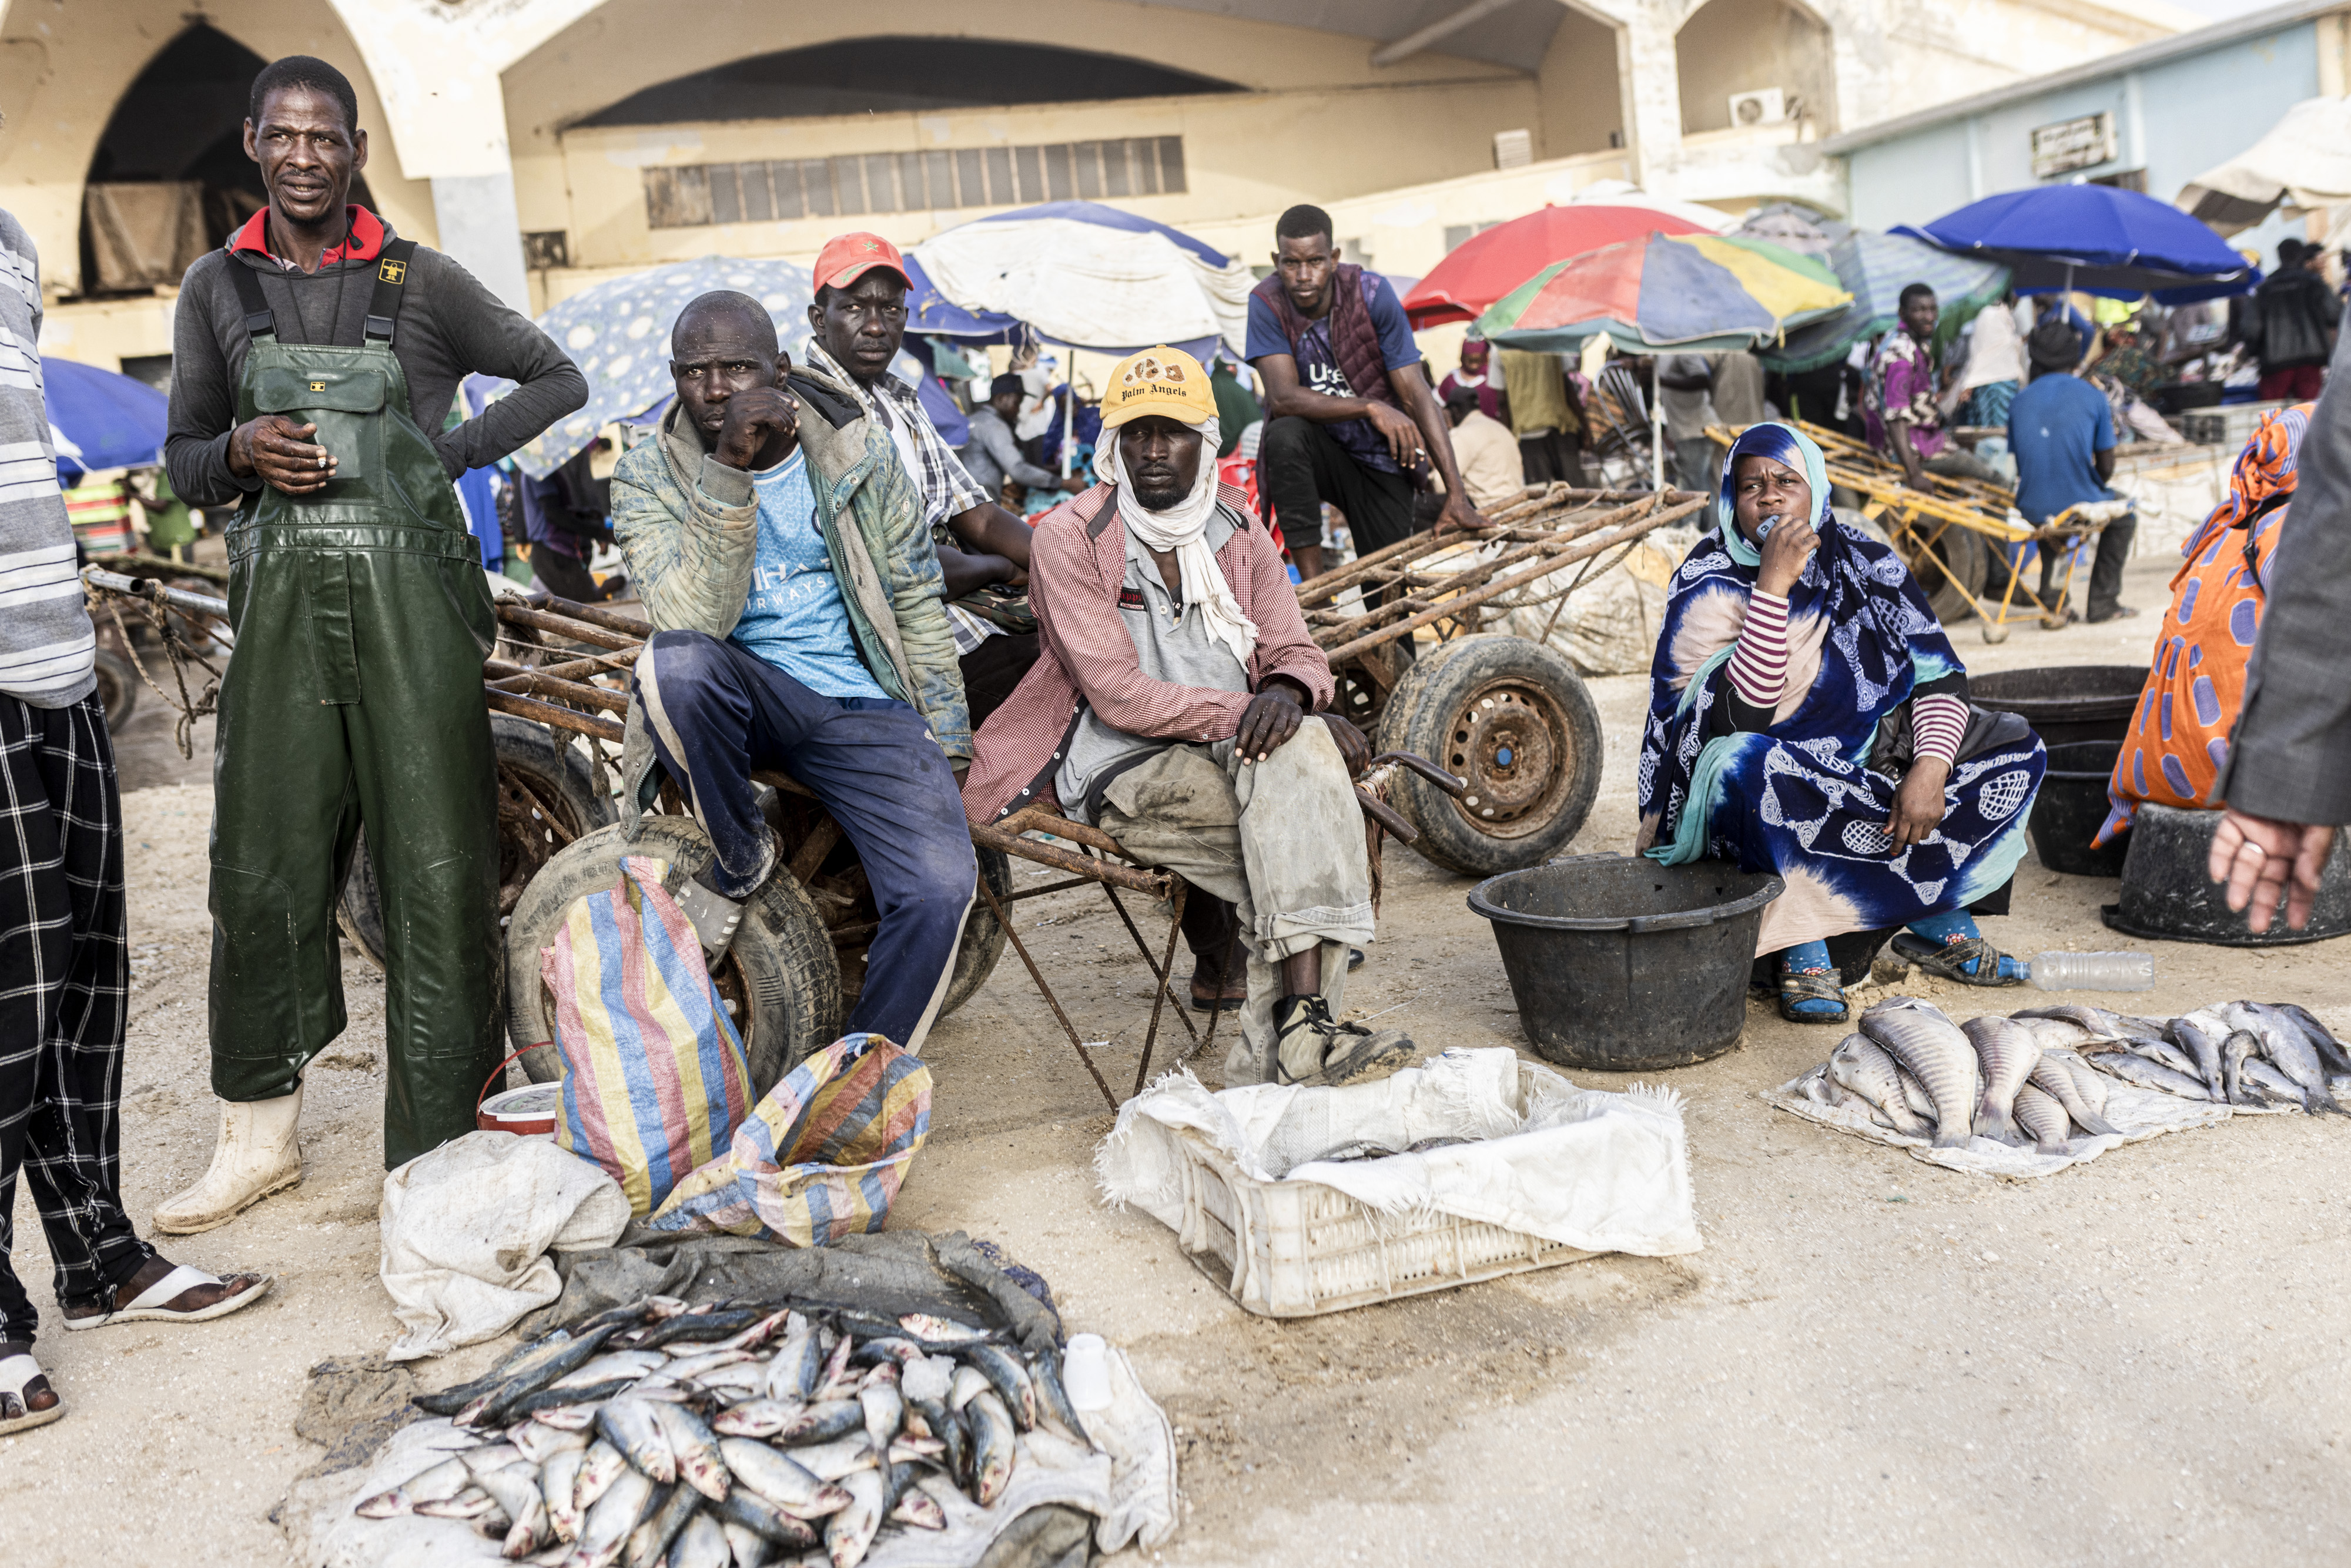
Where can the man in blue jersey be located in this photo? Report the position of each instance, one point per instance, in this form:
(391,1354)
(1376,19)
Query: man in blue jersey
(2061,429)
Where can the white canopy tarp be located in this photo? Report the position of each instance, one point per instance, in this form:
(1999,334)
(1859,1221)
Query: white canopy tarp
(2305,160)
(1091,286)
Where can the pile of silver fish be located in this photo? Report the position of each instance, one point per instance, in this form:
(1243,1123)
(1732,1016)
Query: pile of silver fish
(2035,1077)
(752,1435)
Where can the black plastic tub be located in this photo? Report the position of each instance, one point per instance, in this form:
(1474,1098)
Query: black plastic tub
(2071,808)
(1622,965)
(2168,894)
(2064,702)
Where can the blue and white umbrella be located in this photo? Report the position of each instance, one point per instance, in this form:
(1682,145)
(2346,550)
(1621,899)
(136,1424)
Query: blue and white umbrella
(1093,276)
(98,418)
(618,334)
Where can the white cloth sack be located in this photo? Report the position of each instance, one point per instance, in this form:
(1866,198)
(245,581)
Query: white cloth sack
(467,1229)
(2137,1114)
(1599,1172)
(1128,1484)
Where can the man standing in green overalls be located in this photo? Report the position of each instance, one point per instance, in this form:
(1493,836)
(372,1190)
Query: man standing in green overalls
(310,358)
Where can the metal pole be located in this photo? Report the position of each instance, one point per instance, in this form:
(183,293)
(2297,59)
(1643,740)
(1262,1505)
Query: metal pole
(1656,428)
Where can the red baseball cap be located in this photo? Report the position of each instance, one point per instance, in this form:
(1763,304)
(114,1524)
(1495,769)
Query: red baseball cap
(845,258)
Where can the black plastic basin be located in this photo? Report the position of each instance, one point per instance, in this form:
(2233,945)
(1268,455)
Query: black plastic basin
(1622,965)
(2064,702)
(2071,808)
(2169,893)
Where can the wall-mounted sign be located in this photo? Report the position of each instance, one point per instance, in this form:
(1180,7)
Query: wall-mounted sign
(2079,143)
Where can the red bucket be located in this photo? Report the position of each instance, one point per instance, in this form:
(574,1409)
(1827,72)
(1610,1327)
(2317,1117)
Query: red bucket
(532,1109)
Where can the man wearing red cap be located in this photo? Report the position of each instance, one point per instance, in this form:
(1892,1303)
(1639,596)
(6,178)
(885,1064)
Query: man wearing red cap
(859,320)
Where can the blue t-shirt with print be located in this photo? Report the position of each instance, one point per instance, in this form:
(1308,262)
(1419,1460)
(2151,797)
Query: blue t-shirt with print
(794,618)
(2056,428)
(1318,368)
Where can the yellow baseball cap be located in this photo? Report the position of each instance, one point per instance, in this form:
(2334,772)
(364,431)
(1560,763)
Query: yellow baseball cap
(1158,381)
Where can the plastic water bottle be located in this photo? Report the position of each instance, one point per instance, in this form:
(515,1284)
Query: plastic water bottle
(2054,971)
(1085,1371)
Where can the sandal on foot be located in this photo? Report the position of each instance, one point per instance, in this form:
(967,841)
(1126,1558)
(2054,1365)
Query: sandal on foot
(153,1304)
(1951,960)
(1819,986)
(18,1373)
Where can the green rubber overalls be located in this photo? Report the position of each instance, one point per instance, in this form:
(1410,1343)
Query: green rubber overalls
(354,697)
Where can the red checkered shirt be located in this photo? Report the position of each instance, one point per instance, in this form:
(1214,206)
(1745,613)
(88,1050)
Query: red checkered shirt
(1074,574)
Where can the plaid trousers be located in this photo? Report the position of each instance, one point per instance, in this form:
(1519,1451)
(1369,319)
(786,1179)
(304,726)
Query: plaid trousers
(64,996)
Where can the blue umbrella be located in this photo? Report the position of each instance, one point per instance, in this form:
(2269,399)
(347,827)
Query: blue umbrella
(101,419)
(1878,268)
(2093,239)
(930,313)
(618,333)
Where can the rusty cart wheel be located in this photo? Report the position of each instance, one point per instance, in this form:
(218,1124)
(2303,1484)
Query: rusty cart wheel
(547,797)
(1513,718)
(118,688)
(780,982)
(1967,555)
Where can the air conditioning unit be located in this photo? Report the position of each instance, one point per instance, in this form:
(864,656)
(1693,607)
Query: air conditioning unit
(1513,148)
(1765,105)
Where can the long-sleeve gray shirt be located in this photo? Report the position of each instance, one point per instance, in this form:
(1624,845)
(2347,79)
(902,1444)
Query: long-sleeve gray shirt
(2291,758)
(992,456)
(450,327)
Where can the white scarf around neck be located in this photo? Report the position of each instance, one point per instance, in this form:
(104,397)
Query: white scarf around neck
(1182,527)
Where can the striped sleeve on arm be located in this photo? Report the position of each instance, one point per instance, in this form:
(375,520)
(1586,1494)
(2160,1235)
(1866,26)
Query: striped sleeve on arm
(1759,664)
(1938,722)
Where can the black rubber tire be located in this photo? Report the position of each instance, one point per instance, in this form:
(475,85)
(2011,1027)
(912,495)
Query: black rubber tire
(557,772)
(1969,560)
(1467,705)
(780,975)
(118,688)
(983,938)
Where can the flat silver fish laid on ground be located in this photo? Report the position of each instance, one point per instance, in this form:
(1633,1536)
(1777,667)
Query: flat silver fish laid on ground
(2331,1049)
(2163,1053)
(2241,1044)
(2199,1034)
(2007,1052)
(2055,1076)
(2044,1119)
(1860,1065)
(2266,1085)
(2133,1068)
(2289,1050)
(1940,1056)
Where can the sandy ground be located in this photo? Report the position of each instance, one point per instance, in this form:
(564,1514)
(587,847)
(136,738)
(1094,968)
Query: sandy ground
(1871,1359)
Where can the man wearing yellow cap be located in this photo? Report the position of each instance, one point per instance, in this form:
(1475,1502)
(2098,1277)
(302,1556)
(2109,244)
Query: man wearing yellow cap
(1173,706)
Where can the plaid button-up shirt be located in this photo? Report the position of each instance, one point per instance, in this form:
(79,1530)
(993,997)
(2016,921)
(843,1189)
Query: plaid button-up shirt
(948,489)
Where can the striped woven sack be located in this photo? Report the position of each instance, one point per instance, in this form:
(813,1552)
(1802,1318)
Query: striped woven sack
(654,1076)
(822,1156)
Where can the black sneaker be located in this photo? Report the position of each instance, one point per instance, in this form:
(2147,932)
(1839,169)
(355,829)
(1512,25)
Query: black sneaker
(1311,1046)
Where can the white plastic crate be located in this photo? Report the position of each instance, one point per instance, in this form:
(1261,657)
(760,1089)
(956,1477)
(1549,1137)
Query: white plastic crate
(2229,424)
(1295,1248)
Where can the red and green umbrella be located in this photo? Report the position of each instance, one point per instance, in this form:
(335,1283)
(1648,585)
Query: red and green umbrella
(1666,293)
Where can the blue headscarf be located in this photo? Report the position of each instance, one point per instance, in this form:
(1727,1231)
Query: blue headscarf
(1782,443)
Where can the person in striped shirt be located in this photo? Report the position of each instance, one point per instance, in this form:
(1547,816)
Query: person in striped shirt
(1809,718)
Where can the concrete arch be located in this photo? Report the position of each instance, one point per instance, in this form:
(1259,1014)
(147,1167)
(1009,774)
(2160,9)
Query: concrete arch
(1728,46)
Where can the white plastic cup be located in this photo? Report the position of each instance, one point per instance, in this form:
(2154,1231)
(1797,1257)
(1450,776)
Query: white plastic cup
(1085,1371)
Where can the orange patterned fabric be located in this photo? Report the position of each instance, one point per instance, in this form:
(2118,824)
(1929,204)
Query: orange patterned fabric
(2196,689)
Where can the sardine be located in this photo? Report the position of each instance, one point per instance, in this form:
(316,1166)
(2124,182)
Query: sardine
(792,1373)
(886,1347)
(600,1467)
(435,1483)
(694,1447)
(992,1447)
(747,1548)
(696,1363)
(697,1327)
(885,1408)
(1053,1400)
(559,1483)
(701,1544)
(1861,1066)
(2042,1116)
(759,1332)
(1003,1369)
(849,1534)
(2199,1034)
(921,1509)
(618,1365)
(2331,1049)
(2054,1076)
(907,1449)
(968,1381)
(611,1520)
(756,1417)
(630,1426)
(516,1490)
(490,1457)
(935,1331)
(2133,1068)
(1940,1056)
(649,1543)
(830,1462)
(541,1441)
(473,1502)
(747,1508)
(835,1382)
(497,1409)
(516,1361)
(821,1423)
(779,1479)
(2007,1052)
(947,1427)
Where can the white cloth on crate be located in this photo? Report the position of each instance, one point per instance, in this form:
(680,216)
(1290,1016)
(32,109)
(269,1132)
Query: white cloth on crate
(1600,1172)
(467,1227)
(1182,527)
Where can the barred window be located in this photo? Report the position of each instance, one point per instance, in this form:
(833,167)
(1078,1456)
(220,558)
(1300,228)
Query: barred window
(695,195)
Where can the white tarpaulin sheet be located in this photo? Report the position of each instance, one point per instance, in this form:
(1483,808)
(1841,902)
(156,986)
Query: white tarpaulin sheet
(1603,1173)
(1088,284)
(2305,160)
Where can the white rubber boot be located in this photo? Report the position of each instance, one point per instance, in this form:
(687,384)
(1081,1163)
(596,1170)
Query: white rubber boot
(258,1155)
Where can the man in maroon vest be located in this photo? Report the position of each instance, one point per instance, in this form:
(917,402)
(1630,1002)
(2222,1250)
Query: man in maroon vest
(1349,415)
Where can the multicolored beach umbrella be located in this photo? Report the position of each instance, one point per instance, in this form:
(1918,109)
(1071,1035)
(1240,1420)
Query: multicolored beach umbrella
(1666,293)
(1878,268)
